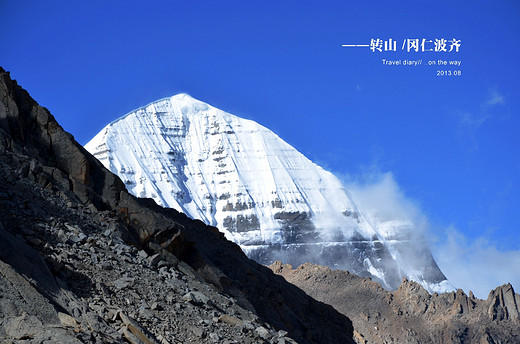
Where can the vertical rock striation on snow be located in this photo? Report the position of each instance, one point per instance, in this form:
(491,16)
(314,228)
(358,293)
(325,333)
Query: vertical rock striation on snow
(263,194)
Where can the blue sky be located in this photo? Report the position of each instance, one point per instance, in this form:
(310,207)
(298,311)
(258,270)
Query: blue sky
(449,143)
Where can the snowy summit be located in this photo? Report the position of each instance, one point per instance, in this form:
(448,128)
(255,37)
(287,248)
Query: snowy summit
(263,194)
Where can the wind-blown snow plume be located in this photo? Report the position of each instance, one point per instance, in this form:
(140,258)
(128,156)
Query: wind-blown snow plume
(383,201)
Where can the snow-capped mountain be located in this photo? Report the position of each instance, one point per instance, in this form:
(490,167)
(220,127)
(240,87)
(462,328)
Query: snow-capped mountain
(275,203)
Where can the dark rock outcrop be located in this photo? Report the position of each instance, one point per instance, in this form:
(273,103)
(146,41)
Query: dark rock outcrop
(504,303)
(90,254)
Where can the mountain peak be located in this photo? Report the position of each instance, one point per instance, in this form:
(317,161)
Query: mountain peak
(263,194)
(183,96)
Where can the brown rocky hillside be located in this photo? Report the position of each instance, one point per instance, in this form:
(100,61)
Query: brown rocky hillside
(410,314)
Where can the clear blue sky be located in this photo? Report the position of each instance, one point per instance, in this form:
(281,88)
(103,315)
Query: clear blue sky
(451,142)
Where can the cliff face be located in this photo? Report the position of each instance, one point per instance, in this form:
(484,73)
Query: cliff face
(79,252)
(410,314)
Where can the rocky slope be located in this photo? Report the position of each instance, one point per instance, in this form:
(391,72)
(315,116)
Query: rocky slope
(82,260)
(262,193)
(410,314)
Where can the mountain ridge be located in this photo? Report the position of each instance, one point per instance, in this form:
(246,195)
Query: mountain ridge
(410,314)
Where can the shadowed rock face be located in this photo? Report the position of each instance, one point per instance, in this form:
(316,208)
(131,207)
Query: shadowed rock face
(410,314)
(29,129)
(50,179)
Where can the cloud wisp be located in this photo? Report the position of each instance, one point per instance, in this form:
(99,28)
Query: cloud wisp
(469,263)
(475,263)
(471,121)
(380,196)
